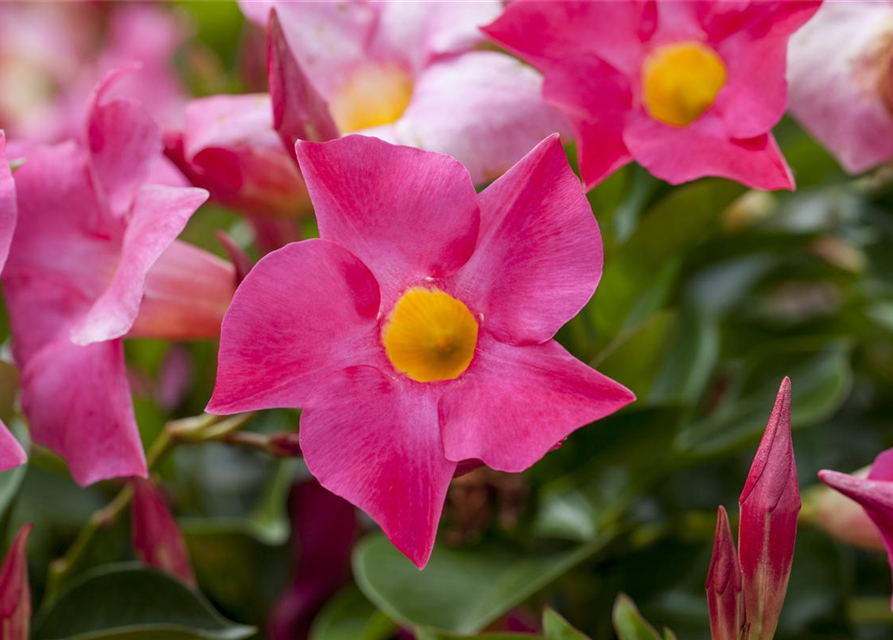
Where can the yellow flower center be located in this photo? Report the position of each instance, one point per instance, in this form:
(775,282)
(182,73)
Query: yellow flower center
(680,82)
(373,96)
(430,336)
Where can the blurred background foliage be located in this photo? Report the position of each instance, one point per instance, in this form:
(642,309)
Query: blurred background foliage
(710,295)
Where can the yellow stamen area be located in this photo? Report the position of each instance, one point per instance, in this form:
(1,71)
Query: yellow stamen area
(430,336)
(681,81)
(373,96)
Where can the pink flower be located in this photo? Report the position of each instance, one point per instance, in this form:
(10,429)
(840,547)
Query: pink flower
(686,89)
(157,539)
(228,146)
(15,596)
(841,517)
(417,332)
(767,532)
(839,70)
(746,589)
(11,452)
(404,72)
(94,258)
(874,493)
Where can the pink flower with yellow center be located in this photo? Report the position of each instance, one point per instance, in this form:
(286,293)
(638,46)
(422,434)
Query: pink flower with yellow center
(407,72)
(94,258)
(416,333)
(840,71)
(687,89)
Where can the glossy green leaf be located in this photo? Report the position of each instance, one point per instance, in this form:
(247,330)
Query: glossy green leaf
(350,616)
(462,590)
(556,627)
(629,623)
(129,602)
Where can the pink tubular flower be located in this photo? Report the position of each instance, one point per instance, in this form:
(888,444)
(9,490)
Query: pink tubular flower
(156,537)
(228,146)
(841,87)
(404,72)
(725,591)
(417,332)
(15,596)
(874,493)
(687,89)
(94,258)
(11,452)
(767,532)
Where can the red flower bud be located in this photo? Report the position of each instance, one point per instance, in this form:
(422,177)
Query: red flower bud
(15,596)
(725,589)
(156,537)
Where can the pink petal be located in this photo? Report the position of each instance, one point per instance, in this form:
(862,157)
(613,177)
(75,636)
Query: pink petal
(753,43)
(882,467)
(78,404)
(875,496)
(376,443)
(15,594)
(8,211)
(158,217)
(11,452)
(185,295)
(539,254)
(836,80)
(514,404)
(704,148)
(157,539)
(482,108)
(124,142)
(407,214)
(551,32)
(725,597)
(299,111)
(767,531)
(302,313)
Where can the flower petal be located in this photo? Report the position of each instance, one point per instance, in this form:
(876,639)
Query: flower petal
(302,313)
(376,443)
(482,108)
(157,539)
(11,452)
(834,72)
(704,148)
(753,42)
(539,255)
(8,209)
(159,216)
(124,144)
(78,404)
(514,404)
(407,214)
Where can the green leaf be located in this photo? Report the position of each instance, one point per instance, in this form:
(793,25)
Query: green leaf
(432,634)
(629,623)
(461,590)
(350,616)
(129,602)
(557,628)
(11,481)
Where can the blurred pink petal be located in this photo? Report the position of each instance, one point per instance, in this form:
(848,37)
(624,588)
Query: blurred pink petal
(157,539)
(840,85)
(11,452)
(770,503)
(78,404)
(516,403)
(592,50)
(725,591)
(369,441)
(274,352)
(8,209)
(15,594)
(844,518)
(424,228)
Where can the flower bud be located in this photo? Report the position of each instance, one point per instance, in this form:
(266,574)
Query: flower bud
(15,596)
(157,539)
(725,590)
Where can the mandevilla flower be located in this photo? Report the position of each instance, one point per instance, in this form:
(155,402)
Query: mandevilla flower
(157,539)
(11,452)
(686,89)
(405,72)
(874,493)
(15,595)
(417,332)
(841,517)
(841,87)
(746,589)
(94,258)
(229,147)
